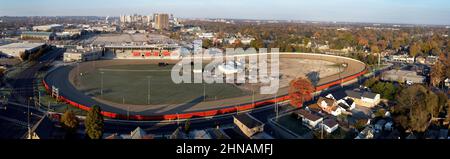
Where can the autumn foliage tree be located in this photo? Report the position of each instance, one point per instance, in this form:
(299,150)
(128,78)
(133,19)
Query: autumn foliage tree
(415,108)
(69,122)
(300,91)
(437,73)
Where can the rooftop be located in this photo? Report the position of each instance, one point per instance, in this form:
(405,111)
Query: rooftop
(329,101)
(330,123)
(21,45)
(307,115)
(37,33)
(359,94)
(248,121)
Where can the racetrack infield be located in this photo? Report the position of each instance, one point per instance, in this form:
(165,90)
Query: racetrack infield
(68,90)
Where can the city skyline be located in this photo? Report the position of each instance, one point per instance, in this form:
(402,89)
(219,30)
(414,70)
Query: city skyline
(436,12)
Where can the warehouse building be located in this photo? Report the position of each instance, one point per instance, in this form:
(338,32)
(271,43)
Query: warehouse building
(409,77)
(37,35)
(52,27)
(81,55)
(15,49)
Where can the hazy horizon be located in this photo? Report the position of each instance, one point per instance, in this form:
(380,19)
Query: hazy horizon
(429,12)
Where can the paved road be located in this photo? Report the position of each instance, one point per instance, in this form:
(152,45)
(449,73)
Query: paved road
(15,116)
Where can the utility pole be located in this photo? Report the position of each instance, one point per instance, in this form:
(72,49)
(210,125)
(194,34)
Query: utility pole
(28,120)
(321,133)
(39,98)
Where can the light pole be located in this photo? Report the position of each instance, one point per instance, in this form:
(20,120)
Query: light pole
(276,107)
(148,93)
(253,96)
(5,103)
(78,74)
(204,92)
(128,108)
(101,89)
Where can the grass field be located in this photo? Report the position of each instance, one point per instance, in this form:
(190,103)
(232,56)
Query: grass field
(132,83)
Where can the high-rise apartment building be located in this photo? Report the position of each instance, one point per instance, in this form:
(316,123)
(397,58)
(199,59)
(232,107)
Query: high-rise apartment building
(161,21)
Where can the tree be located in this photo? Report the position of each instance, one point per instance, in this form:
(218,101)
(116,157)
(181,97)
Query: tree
(437,74)
(187,126)
(374,49)
(414,50)
(363,41)
(442,102)
(389,91)
(94,123)
(300,91)
(378,87)
(257,44)
(207,43)
(69,122)
(370,82)
(414,108)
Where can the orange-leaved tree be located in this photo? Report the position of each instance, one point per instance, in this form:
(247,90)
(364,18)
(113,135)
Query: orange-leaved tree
(300,91)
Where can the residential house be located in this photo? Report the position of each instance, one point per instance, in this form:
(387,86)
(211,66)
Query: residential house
(364,98)
(139,133)
(367,133)
(330,125)
(431,60)
(178,134)
(447,82)
(389,126)
(420,60)
(248,124)
(330,105)
(443,134)
(114,136)
(261,135)
(380,125)
(347,103)
(199,134)
(217,134)
(402,58)
(309,119)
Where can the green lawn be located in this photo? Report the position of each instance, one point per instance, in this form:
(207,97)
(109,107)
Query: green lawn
(132,83)
(293,124)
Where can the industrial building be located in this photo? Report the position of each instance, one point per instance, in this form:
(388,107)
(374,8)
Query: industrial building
(409,77)
(51,28)
(37,35)
(15,49)
(80,55)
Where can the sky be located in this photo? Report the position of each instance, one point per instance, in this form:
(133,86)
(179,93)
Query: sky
(377,11)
